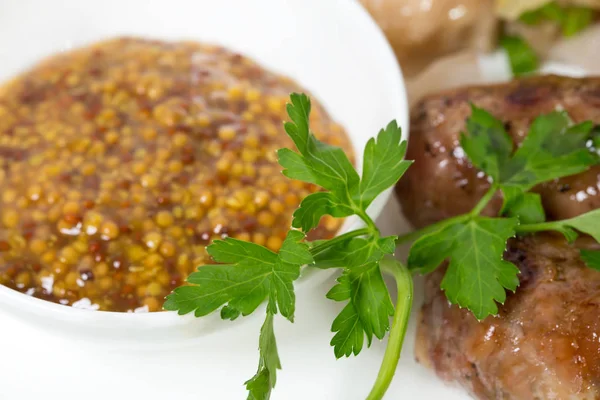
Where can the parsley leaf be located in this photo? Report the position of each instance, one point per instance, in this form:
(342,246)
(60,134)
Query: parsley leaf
(342,253)
(383,163)
(486,143)
(591,258)
(318,162)
(586,223)
(260,385)
(316,205)
(366,314)
(350,333)
(247,275)
(431,250)
(477,276)
(330,168)
(523,59)
(527,207)
(571,19)
(553,148)
(369,307)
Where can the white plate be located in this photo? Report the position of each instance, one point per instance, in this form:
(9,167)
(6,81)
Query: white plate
(332,48)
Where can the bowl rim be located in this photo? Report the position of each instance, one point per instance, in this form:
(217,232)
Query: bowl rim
(144,320)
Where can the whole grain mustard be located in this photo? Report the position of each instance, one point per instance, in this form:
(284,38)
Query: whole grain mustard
(121,161)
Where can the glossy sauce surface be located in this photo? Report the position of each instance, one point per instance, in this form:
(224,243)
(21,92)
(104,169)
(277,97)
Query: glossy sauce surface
(422,31)
(121,161)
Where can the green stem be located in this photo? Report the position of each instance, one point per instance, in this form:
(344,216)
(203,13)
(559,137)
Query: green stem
(484,201)
(404,283)
(412,236)
(327,244)
(367,220)
(542,226)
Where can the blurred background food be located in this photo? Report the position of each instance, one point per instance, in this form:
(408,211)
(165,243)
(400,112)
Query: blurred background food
(422,30)
(438,42)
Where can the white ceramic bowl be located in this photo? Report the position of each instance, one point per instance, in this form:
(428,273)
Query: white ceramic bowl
(330,47)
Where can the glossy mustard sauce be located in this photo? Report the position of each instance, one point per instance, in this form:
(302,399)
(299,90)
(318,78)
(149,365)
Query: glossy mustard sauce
(121,161)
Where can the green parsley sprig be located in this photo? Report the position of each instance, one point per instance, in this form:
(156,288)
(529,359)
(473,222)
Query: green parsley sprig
(246,274)
(521,56)
(571,20)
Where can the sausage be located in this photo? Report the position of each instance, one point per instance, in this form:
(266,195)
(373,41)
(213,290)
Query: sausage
(544,344)
(442,183)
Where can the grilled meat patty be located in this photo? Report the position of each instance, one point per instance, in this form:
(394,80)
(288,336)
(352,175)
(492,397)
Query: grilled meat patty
(545,343)
(442,183)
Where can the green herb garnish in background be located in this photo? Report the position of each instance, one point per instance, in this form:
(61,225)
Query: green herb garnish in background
(570,19)
(548,12)
(523,59)
(477,277)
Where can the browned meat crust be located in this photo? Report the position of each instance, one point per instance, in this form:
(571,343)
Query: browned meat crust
(442,183)
(545,343)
